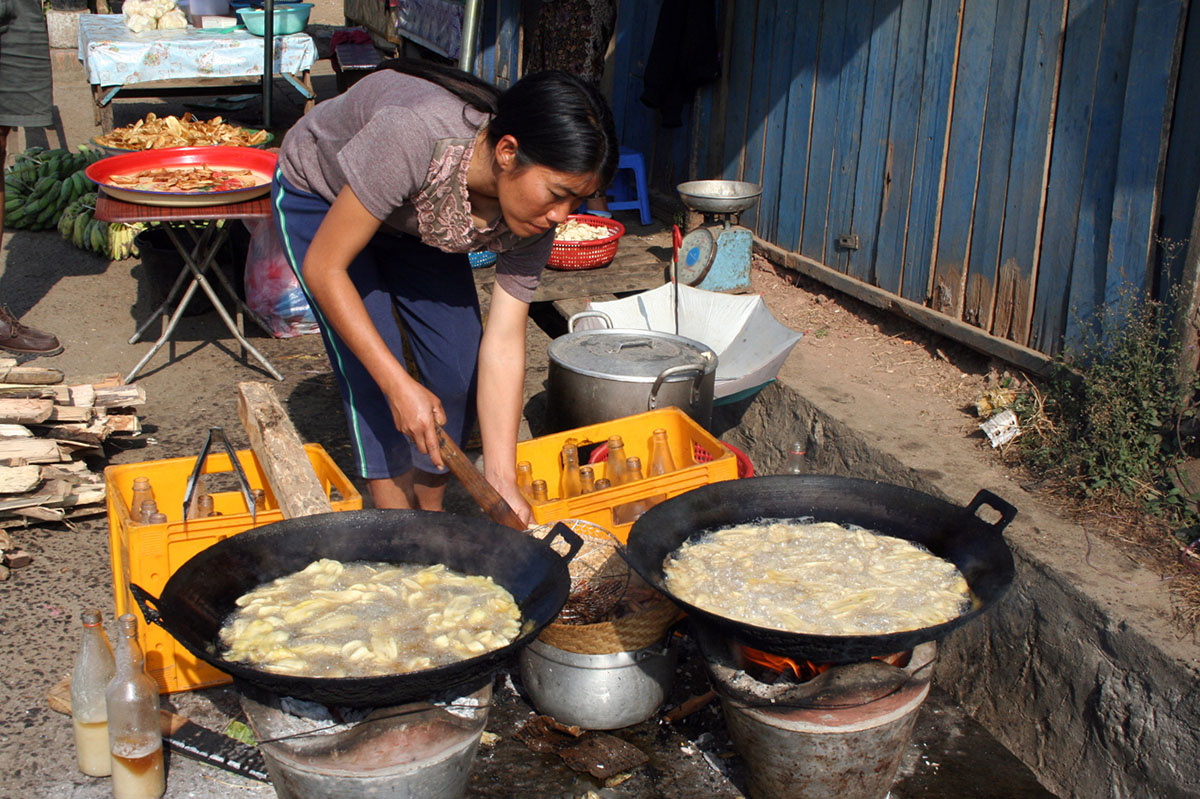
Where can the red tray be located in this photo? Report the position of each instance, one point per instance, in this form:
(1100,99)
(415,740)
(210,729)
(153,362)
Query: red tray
(260,162)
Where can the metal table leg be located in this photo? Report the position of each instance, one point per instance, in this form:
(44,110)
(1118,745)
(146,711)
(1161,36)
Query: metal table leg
(205,245)
(200,246)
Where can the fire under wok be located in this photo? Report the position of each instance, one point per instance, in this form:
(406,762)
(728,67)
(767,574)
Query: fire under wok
(199,596)
(949,531)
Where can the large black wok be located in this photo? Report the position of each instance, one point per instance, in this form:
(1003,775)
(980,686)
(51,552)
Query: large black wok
(952,532)
(198,597)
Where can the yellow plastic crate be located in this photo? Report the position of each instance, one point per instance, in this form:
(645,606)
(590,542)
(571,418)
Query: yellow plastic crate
(699,457)
(148,554)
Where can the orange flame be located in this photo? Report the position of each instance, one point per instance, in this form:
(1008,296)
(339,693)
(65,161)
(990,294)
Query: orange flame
(806,669)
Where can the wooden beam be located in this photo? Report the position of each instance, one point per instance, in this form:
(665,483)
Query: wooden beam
(280,452)
(25,411)
(19,479)
(968,335)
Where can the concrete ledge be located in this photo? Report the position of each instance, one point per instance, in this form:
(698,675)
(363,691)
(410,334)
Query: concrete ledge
(1078,671)
(63,28)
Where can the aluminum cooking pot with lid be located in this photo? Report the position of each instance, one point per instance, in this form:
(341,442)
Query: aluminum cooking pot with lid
(597,375)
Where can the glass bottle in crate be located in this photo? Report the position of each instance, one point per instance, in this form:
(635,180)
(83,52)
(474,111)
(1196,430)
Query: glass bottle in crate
(628,512)
(134,729)
(541,493)
(147,509)
(525,479)
(142,491)
(587,480)
(603,483)
(569,481)
(89,679)
(660,461)
(616,471)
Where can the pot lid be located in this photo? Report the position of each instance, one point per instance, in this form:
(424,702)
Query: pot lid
(638,355)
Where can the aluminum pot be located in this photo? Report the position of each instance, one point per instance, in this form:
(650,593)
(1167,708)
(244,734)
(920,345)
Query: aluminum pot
(598,692)
(598,375)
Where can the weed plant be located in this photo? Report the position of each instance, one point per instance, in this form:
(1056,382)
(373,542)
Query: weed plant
(1110,418)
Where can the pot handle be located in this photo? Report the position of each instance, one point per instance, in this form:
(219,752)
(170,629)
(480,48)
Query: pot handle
(571,538)
(145,601)
(984,497)
(671,371)
(586,314)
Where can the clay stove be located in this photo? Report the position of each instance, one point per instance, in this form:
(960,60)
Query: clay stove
(830,731)
(422,749)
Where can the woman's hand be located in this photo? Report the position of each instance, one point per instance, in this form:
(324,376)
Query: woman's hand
(516,500)
(416,411)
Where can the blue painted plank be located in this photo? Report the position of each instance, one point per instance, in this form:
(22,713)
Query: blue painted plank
(1090,257)
(963,154)
(874,144)
(1081,54)
(773,178)
(851,91)
(824,127)
(1182,179)
(759,100)
(1026,177)
(995,160)
(639,123)
(1132,235)
(799,123)
(741,70)
(933,120)
(887,247)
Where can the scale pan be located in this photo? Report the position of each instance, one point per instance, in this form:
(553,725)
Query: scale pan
(719,196)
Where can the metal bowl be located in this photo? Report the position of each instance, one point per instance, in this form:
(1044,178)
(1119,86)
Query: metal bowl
(719,196)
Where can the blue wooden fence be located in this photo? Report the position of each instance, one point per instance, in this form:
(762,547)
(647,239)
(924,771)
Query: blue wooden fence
(1008,163)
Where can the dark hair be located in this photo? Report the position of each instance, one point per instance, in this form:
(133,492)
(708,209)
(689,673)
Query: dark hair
(560,121)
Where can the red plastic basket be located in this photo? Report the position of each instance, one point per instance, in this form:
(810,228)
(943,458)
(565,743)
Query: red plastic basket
(587,254)
(744,466)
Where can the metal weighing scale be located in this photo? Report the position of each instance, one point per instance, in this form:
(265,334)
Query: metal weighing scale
(716,255)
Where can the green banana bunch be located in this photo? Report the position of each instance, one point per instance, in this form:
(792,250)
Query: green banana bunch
(114,241)
(41,184)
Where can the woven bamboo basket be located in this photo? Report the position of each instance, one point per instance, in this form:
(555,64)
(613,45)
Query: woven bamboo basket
(630,633)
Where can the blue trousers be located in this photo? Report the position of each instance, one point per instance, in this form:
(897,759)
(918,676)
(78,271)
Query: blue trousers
(403,284)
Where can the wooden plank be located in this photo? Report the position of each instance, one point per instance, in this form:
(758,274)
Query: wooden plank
(929,167)
(994,162)
(31,375)
(852,80)
(25,411)
(793,174)
(962,156)
(22,451)
(71,413)
(1072,120)
(19,479)
(570,306)
(120,397)
(280,453)
(741,88)
(586,283)
(1028,360)
(1090,259)
(766,219)
(824,125)
(1143,133)
(15,431)
(1183,164)
(759,100)
(912,40)
(875,150)
(1027,170)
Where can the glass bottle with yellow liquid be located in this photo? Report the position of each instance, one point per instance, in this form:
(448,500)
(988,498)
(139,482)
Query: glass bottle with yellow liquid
(569,481)
(93,670)
(134,729)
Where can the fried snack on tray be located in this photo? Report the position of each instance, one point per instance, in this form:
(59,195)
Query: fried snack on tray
(187,179)
(153,133)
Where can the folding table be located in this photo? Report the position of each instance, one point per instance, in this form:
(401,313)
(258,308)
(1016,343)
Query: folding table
(206,236)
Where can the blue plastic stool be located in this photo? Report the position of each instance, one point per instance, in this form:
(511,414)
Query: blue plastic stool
(632,159)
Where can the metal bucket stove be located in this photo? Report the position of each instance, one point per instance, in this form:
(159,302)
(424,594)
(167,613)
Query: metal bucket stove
(421,750)
(716,255)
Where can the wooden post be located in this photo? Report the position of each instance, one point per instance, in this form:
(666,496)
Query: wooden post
(282,456)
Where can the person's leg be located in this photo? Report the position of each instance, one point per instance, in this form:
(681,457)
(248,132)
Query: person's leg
(382,451)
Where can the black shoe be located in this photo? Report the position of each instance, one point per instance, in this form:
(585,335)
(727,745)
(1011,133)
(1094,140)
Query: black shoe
(18,338)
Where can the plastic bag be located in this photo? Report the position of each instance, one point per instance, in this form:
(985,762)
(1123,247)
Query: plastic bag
(272,289)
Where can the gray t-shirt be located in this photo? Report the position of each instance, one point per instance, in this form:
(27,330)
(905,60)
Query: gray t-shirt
(404,145)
